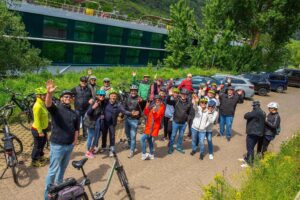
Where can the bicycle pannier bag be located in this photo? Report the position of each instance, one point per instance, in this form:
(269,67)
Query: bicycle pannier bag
(70,193)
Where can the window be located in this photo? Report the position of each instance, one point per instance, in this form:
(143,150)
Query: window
(132,56)
(55,28)
(153,56)
(277,78)
(237,81)
(114,35)
(82,54)
(156,40)
(112,55)
(84,31)
(54,51)
(134,38)
(296,74)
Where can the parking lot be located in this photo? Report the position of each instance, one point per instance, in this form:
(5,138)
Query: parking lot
(175,176)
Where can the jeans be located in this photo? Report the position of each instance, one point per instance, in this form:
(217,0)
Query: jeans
(81,114)
(198,136)
(131,126)
(108,128)
(149,138)
(38,145)
(177,127)
(226,120)
(251,141)
(209,141)
(92,136)
(59,159)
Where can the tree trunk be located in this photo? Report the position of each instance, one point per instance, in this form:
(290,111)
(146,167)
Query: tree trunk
(255,37)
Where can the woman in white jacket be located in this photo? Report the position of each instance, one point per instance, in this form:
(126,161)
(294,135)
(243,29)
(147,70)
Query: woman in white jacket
(200,123)
(212,117)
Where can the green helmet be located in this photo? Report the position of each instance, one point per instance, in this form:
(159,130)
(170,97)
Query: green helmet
(113,92)
(40,90)
(176,90)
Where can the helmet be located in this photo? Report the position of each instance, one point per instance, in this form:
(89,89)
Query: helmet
(203,100)
(230,88)
(213,84)
(211,91)
(175,90)
(101,92)
(66,92)
(157,97)
(93,77)
(273,105)
(113,92)
(83,79)
(134,87)
(255,103)
(211,103)
(106,80)
(184,91)
(41,90)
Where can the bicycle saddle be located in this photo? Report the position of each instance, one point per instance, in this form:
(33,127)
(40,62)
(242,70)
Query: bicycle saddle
(78,164)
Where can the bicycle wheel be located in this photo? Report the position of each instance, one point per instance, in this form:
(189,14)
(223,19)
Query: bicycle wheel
(18,145)
(123,180)
(25,119)
(13,169)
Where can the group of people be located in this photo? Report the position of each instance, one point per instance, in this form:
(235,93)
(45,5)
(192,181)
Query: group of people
(161,107)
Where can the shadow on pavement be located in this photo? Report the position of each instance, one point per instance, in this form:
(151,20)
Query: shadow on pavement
(97,174)
(132,191)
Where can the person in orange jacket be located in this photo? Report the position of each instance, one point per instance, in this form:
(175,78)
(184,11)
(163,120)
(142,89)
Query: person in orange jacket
(154,114)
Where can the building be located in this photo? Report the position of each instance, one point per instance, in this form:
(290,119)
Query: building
(66,36)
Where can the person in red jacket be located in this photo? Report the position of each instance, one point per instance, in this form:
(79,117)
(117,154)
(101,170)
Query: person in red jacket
(186,84)
(154,115)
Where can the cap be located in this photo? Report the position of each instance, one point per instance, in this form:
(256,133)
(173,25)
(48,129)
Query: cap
(211,103)
(255,103)
(184,91)
(93,77)
(106,79)
(83,79)
(41,90)
(65,92)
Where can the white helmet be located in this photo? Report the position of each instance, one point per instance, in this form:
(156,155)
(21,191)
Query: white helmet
(273,105)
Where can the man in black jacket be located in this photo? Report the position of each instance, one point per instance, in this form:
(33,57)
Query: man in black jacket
(227,108)
(182,113)
(254,129)
(65,128)
(82,94)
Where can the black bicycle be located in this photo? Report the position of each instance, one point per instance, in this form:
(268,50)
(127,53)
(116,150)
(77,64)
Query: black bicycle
(71,182)
(9,139)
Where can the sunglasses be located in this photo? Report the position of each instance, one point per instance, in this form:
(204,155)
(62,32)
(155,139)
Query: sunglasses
(67,97)
(101,95)
(106,81)
(83,81)
(203,102)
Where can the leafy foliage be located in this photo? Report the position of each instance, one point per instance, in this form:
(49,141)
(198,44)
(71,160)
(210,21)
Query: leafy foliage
(294,48)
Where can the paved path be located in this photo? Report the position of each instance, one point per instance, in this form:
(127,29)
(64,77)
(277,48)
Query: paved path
(174,176)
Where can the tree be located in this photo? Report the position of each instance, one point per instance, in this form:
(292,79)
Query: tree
(180,37)
(16,53)
(294,49)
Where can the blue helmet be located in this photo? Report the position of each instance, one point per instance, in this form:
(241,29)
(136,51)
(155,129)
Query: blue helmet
(101,92)
(211,103)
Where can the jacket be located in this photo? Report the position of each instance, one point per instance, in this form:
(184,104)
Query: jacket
(112,111)
(182,110)
(272,123)
(255,122)
(82,97)
(212,117)
(154,119)
(200,121)
(93,114)
(228,104)
(186,84)
(40,116)
(133,104)
(144,88)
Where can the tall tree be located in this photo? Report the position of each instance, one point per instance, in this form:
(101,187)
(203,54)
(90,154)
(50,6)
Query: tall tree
(16,53)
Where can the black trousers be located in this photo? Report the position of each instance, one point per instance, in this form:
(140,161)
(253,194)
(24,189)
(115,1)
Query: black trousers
(108,128)
(38,145)
(167,127)
(251,141)
(263,143)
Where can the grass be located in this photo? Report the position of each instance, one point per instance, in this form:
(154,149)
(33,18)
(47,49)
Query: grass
(274,177)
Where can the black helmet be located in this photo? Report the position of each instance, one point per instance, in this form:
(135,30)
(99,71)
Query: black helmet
(255,103)
(184,91)
(66,92)
(134,87)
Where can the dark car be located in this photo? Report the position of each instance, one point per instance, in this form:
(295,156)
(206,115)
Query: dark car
(279,82)
(292,74)
(261,84)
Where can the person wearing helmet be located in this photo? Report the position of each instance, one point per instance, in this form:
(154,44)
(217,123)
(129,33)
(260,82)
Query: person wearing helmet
(65,125)
(107,86)
(272,128)
(154,115)
(169,112)
(39,128)
(111,112)
(211,96)
(93,120)
(133,107)
(82,95)
(254,129)
(93,85)
(182,114)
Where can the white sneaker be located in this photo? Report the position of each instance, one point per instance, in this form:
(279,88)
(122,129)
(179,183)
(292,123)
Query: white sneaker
(241,160)
(151,156)
(211,157)
(145,156)
(111,154)
(96,149)
(244,165)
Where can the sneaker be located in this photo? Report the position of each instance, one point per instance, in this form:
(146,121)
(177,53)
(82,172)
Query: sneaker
(95,150)
(228,139)
(89,154)
(241,160)
(102,151)
(45,159)
(193,153)
(130,154)
(211,157)
(244,165)
(111,154)
(170,151)
(201,156)
(38,163)
(145,156)
(151,156)
(180,150)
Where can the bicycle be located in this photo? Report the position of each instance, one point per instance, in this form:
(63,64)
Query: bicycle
(8,147)
(71,182)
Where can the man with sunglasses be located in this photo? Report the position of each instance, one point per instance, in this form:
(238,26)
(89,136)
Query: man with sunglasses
(65,129)
(144,88)
(82,94)
(93,85)
(106,86)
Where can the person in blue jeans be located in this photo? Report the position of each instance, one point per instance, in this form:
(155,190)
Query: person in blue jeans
(228,104)
(133,107)
(182,113)
(65,129)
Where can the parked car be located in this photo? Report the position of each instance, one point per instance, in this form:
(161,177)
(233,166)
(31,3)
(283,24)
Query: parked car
(279,82)
(196,81)
(239,83)
(261,84)
(292,74)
